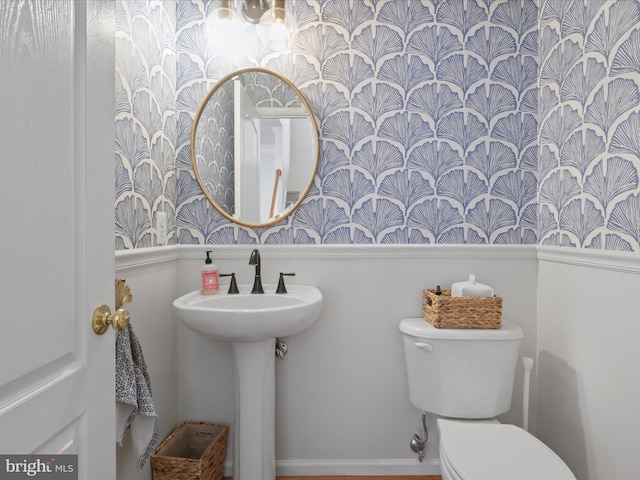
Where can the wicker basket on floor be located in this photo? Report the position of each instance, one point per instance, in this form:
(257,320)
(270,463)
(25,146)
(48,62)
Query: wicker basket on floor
(445,311)
(194,451)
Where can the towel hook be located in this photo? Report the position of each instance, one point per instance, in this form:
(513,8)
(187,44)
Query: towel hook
(102,316)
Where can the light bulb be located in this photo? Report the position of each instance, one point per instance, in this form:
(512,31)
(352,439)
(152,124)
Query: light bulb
(278,28)
(225,30)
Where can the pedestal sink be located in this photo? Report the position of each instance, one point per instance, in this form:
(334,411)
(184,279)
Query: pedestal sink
(252,322)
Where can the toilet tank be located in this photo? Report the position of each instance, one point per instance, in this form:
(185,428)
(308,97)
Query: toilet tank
(461,373)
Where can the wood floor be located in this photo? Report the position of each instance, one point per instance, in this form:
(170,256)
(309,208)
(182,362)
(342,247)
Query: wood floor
(403,477)
(394,477)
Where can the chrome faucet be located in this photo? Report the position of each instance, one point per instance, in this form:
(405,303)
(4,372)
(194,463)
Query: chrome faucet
(254,259)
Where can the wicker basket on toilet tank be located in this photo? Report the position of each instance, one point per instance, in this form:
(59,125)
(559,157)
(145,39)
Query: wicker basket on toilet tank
(445,311)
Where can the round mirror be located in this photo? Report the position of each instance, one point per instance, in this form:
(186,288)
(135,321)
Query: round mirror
(255,147)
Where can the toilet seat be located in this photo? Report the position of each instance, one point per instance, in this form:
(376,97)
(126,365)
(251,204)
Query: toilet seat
(472,450)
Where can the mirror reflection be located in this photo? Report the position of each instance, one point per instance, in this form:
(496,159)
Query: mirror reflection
(255,147)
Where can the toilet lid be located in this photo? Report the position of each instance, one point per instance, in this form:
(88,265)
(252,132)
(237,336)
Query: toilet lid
(498,452)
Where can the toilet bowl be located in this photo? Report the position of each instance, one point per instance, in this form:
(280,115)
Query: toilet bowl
(474,450)
(466,376)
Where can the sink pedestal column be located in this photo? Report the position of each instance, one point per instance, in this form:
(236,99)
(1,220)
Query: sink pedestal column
(254,423)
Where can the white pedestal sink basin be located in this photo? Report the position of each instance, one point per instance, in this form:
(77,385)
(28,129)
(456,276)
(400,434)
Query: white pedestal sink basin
(252,322)
(246,317)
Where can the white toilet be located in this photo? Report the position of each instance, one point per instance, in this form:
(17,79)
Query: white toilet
(465,376)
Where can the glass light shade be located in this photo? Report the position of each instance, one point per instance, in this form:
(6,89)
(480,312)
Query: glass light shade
(278,28)
(252,10)
(225,31)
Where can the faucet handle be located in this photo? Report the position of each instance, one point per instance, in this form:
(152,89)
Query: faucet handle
(281,288)
(233,285)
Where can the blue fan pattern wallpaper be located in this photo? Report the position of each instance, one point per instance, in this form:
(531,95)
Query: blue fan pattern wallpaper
(441,121)
(589,111)
(148,132)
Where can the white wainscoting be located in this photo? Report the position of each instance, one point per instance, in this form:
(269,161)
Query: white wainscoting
(589,360)
(342,398)
(151,274)
(343,407)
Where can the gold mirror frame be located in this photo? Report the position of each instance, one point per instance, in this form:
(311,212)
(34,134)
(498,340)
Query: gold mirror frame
(314,125)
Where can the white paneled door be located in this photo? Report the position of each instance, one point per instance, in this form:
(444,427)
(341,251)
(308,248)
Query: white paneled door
(57,241)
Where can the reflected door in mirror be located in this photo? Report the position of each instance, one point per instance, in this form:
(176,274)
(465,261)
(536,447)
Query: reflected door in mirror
(255,147)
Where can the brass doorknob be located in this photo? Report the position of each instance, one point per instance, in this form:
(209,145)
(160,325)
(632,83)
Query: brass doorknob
(102,318)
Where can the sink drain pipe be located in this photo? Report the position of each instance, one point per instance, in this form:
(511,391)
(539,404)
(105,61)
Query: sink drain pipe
(418,443)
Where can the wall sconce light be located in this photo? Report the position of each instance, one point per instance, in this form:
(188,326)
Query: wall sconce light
(225,28)
(276,25)
(252,10)
(224,11)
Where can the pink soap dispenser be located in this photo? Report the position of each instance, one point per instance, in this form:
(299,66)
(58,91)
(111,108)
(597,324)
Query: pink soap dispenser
(210,277)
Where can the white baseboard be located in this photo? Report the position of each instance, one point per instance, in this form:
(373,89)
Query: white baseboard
(308,468)
(374,468)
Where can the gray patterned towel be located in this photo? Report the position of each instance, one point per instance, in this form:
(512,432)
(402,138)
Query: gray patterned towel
(134,405)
